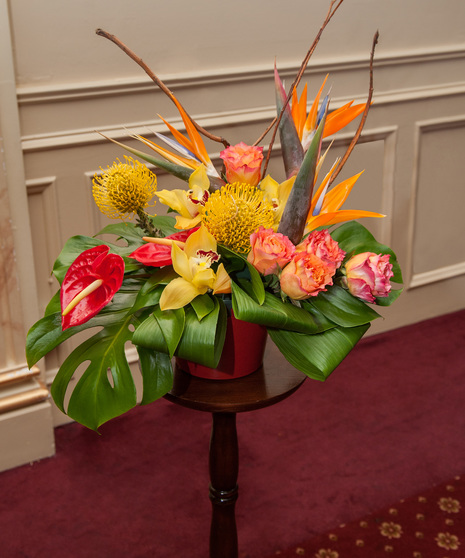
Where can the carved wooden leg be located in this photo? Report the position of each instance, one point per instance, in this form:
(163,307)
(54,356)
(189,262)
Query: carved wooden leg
(224,467)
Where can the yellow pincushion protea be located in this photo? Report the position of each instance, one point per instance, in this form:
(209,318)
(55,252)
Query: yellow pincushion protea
(124,188)
(234,212)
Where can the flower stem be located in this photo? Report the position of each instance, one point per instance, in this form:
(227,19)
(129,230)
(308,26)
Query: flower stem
(144,222)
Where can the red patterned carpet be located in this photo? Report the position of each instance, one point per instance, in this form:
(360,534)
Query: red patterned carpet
(428,525)
(387,425)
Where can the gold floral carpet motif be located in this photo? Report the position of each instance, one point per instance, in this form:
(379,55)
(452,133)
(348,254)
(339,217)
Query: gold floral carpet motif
(428,525)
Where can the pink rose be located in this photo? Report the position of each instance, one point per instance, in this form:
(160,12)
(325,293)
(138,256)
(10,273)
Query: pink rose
(270,251)
(243,163)
(368,275)
(159,255)
(322,245)
(306,275)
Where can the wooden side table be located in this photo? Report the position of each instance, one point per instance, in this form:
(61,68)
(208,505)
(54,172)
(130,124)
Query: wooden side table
(223,399)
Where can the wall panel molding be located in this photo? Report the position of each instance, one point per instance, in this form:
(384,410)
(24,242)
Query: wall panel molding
(123,86)
(444,272)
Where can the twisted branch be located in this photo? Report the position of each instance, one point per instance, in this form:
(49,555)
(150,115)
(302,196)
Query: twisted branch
(355,139)
(157,81)
(333,7)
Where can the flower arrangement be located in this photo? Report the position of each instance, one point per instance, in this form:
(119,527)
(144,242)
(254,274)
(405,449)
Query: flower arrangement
(282,255)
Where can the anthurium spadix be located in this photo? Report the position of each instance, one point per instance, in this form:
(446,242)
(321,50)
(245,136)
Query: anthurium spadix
(295,213)
(89,284)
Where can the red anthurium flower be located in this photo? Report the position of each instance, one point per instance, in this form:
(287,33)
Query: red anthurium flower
(157,251)
(89,285)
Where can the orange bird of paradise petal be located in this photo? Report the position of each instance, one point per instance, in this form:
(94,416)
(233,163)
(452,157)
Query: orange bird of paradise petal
(169,155)
(342,116)
(198,147)
(329,213)
(327,219)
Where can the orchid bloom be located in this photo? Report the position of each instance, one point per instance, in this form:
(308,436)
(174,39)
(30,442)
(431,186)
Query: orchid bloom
(188,203)
(89,285)
(277,194)
(193,264)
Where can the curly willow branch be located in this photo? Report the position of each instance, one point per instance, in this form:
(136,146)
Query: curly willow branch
(333,7)
(157,81)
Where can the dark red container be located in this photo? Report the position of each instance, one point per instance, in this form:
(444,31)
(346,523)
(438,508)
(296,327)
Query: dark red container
(243,351)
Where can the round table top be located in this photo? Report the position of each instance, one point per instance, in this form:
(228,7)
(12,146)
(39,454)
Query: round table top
(255,391)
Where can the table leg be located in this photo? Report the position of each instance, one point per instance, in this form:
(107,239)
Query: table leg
(224,467)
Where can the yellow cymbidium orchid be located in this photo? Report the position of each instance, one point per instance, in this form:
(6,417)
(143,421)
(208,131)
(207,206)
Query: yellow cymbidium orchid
(188,203)
(193,264)
(277,194)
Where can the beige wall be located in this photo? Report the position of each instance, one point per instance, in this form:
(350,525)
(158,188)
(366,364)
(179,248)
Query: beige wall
(60,82)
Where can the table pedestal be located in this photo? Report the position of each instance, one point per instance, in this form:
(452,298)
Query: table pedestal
(225,398)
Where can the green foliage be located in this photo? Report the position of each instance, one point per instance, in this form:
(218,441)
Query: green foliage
(317,355)
(314,335)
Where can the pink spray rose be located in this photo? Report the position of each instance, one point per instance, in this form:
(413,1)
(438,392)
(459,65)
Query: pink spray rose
(321,244)
(368,275)
(243,163)
(306,275)
(270,251)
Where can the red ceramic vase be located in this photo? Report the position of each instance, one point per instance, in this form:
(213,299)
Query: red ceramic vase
(244,347)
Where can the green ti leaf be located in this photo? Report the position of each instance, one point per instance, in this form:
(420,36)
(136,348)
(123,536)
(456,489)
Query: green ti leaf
(339,306)
(157,374)
(317,355)
(276,313)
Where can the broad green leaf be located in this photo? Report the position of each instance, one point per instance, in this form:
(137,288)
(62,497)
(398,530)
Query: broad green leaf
(171,323)
(126,231)
(133,234)
(157,374)
(275,313)
(251,273)
(341,307)
(54,305)
(95,399)
(46,334)
(203,305)
(388,300)
(257,284)
(71,250)
(165,223)
(317,355)
(150,336)
(354,238)
(202,342)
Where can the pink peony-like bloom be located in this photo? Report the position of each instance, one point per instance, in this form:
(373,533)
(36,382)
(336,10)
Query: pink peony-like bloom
(324,246)
(270,251)
(243,163)
(368,275)
(306,275)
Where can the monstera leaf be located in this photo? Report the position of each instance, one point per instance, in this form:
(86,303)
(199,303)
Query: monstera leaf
(106,388)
